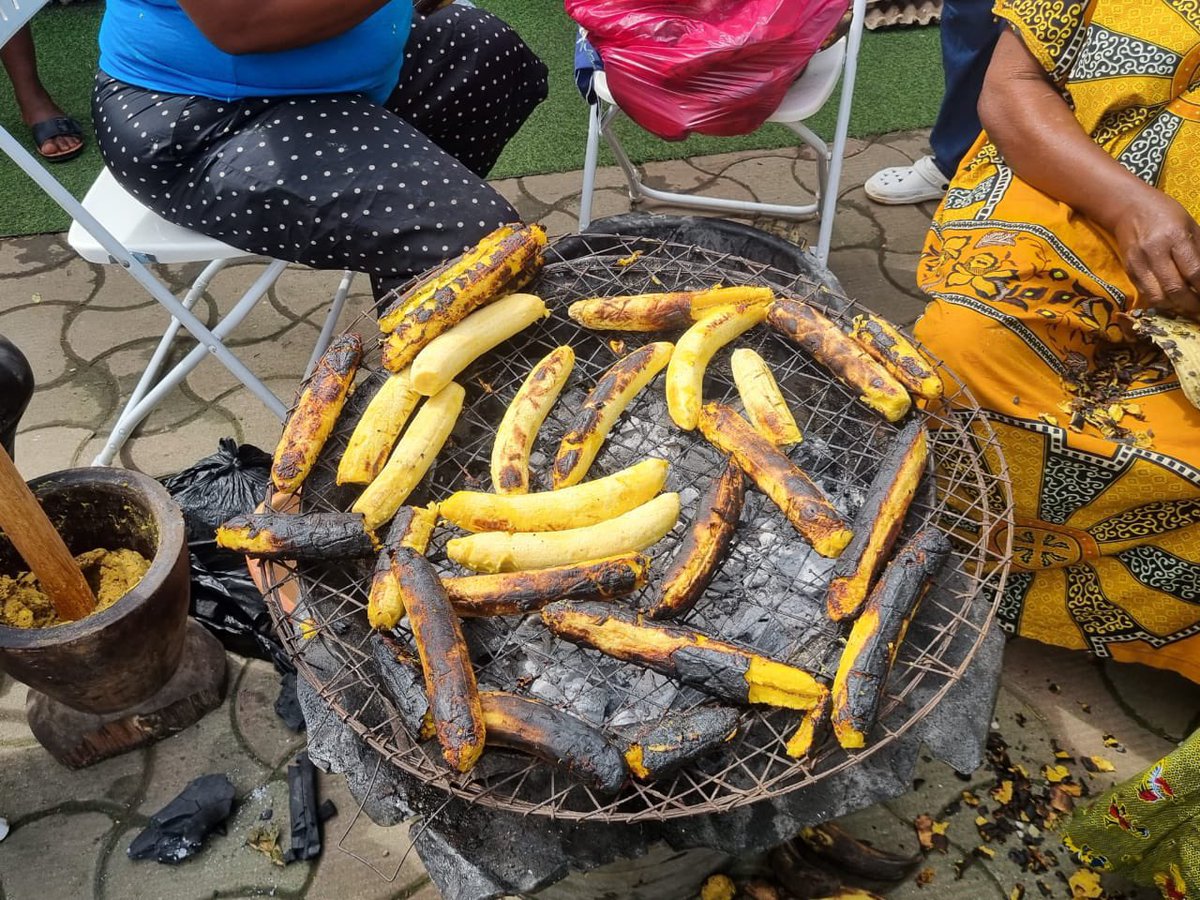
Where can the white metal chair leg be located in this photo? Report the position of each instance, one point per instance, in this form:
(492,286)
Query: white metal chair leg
(636,189)
(335,310)
(591,152)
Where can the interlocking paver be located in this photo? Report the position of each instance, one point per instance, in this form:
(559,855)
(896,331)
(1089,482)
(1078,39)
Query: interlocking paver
(32,782)
(263,732)
(40,451)
(40,327)
(54,857)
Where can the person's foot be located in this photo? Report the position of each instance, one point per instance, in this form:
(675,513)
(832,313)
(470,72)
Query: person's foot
(898,185)
(57,135)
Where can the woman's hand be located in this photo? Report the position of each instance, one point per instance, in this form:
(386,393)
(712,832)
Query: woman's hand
(1160,247)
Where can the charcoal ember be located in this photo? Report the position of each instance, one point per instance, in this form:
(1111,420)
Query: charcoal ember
(647,696)
(179,829)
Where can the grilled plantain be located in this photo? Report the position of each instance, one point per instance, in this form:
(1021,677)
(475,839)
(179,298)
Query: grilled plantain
(416,321)
(878,632)
(662,747)
(685,372)
(540,730)
(601,409)
(879,522)
(764,403)
(311,536)
(449,677)
(377,430)
(316,412)
(850,363)
(661,312)
(703,547)
(452,351)
(414,454)
(715,667)
(404,684)
(523,418)
(776,476)
(573,507)
(812,724)
(499,551)
(898,355)
(412,528)
(516,593)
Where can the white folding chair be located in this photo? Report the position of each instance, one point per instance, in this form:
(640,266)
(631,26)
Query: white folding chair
(111,226)
(810,92)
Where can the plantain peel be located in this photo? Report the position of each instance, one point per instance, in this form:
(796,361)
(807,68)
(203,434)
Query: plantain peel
(1179,339)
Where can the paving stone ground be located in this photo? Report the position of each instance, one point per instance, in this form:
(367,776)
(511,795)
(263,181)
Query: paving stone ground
(89,331)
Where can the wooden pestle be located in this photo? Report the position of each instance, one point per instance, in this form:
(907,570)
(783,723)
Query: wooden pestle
(41,546)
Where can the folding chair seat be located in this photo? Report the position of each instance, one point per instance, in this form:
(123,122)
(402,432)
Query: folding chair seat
(803,100)
(111,226)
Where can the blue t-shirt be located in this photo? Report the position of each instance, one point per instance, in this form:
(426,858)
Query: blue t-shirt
(153,44)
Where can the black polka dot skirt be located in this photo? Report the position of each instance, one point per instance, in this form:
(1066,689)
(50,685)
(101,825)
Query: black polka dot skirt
(336,181)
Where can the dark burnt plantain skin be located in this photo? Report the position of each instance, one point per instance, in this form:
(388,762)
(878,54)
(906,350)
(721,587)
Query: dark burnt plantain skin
(678,739)
(316,412)
(879,522)
(878,632)
(310,536)
(411,527)
(404,684)
(703,548)
(776,476)
(445,660)
(538,729)
(898,355)
(516,593)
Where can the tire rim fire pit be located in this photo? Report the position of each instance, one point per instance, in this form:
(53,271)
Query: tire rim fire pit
(768,595)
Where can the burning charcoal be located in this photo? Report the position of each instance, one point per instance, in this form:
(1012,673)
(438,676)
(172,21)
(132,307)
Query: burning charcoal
(177,831)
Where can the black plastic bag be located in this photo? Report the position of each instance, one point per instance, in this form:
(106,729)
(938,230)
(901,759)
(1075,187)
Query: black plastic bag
(232,481)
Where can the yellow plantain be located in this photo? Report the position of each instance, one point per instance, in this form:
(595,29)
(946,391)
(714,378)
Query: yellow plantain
(660,312)
(498,551)
(413,456)
(377,430)
(523,418)
(685,372)
(412,527)
(764,403)
(603,406)
(572,507)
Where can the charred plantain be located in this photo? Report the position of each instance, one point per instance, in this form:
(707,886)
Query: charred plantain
(316,412)
(411,528)
(523,418)
(898,355)
(877,634)
(662,747)
(516,593)
(879,522)
(778,477)
(404,684)
(311,536)
(601,409)
(449,677)
(715,667)
(538,729)
(850,363)
(836,847)
(661,312)
(414,322)
(812,726)
(704,546)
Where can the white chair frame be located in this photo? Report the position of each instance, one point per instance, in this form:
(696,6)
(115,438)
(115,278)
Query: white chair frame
(95,241)
(808,95)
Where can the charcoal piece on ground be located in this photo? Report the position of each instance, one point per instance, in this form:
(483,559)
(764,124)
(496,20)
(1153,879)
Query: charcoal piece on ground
(178,830)
(306,815)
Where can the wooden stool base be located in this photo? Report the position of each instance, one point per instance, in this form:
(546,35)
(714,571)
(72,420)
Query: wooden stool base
(77,739)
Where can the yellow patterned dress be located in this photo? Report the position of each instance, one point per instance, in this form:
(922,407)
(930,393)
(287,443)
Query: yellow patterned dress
(1102,446)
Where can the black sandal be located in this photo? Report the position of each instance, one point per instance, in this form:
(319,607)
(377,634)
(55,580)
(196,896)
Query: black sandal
(59,126)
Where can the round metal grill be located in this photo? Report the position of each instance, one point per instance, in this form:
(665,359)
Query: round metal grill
(768,595)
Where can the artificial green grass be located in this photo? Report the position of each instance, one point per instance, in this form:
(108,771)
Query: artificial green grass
(899,87)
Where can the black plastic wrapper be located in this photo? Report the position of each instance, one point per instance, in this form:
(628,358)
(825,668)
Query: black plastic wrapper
(177,831)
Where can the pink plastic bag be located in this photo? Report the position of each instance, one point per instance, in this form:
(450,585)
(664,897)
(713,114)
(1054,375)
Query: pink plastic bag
(717,67)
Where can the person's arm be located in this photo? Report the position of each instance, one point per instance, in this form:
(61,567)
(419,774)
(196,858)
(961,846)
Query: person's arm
(1041,140)
(265,26)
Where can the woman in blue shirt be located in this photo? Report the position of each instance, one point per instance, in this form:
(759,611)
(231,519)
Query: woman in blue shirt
(336,133)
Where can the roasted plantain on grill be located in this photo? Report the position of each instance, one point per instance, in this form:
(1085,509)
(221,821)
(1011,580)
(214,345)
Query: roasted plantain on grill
(678,739)
(412,527)
(424,312)
(764,402)
(563,740)
(812,724)
(850,363)
(316,412)
(661,312)
(878,632)
(572,507)
(685,371)
(715,667)
(377,430)
(879,522)
(601,409)
(703,548)
(311,536)
(898,355)
(524,416)
(501,551)
(404,684)
(778,477)
(516,593)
